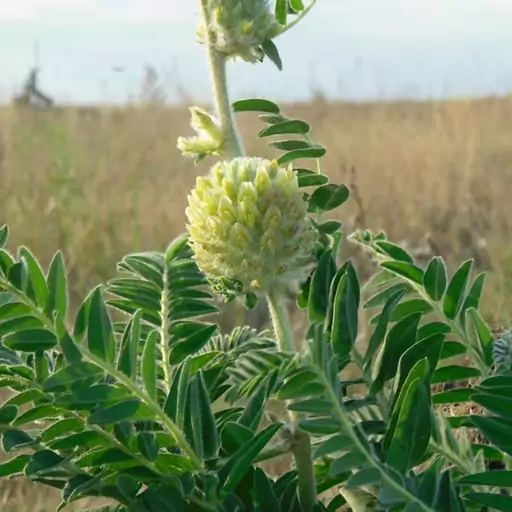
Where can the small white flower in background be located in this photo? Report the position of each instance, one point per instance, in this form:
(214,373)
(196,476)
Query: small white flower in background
(248,221)
(238,28)
(209,139)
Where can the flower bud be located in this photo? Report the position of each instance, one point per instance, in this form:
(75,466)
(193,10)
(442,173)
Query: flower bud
(248,222)
(209,139)
(237,28)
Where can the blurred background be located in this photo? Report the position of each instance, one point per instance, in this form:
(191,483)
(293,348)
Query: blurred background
(412,99)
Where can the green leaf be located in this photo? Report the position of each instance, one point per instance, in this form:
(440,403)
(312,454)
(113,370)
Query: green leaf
(428,347)
(320,426)
(308,178)
(320,285)
(345,314)
(408,307)
(290,145)
(256,105)
(234,436)
(435,278)
(288,127)
(335,444)
(399,338)
(148,445)
(456,291)
(452,396)
(57,287)
(85,440)
(68,375)
(410,428)
(496,430)
(43,460)
(240,462)
(264,495)
(13,466)
(253,411)
(30,340)
(12,438)
(380,330)
(473,297)
(8,414)
(393,250)
(313,406)
(38,289)
(271,51)
(36,413)
(364,477)
(385,295)
(20,323)
(206,435)
(328,197)
(497,404)
(477,328)
(100,336)
(347,463)
(193,343)
(494,501)
(404,269)
(281,11)
(451,373)
(69,348)
(130,345)
(61,427)
(312,152)
(295,385)
(492,478)
(148,365)
(297,6)
(18,276)
(329,227)
(121,411)
(4,235)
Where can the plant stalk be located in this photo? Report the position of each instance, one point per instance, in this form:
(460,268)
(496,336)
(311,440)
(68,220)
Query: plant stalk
(300,440)
(217,61)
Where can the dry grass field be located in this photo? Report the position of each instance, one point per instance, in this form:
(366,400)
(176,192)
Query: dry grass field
(100,183)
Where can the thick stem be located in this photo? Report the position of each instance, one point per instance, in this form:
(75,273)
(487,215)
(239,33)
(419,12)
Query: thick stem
(301,442)
(281,323)
(217,62)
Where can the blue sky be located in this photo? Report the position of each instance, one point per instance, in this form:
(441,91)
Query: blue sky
(356,49)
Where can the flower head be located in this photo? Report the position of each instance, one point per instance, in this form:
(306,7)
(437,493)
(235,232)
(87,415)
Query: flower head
(248,223)
(208,140)
(238,28)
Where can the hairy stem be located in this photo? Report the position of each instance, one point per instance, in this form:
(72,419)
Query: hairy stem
(300,440)
(217,62)
(164,333)
(281,323)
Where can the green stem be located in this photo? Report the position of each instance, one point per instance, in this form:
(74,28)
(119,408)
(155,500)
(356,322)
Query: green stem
(281,322)
(164,333)
(300,440)
(349,430)
(217,62)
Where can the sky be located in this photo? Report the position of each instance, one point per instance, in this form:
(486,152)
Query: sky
(94,51)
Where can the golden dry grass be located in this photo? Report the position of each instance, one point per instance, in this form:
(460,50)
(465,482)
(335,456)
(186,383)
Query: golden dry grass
(100,183)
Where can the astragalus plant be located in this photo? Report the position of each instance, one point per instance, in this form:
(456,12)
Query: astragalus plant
(160,411)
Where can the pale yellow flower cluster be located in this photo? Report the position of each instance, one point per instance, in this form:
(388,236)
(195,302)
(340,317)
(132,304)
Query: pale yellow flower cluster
(248,221)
